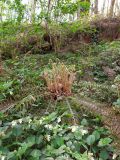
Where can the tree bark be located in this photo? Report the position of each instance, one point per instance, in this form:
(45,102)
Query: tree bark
(117,9)
(103,7)
(96,7)
(111,11)
(33,8)
(78,13)
(1,12)
(49,9)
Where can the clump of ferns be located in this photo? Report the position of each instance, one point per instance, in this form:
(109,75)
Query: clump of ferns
(59,80)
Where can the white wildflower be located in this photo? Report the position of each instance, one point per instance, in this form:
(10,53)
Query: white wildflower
(2,134)
(83,131)
(40,121)
(59,120)
(47,137)
(49,126)
(114,156)
(30,120)
(20,121)
(46,126)
(74,128)
(13,123)
(90,156)
(114,86)
(43,118)
(3,158)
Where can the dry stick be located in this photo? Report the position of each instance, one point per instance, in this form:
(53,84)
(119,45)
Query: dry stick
(46,111)
(8,107)
(68,104)
(11,105)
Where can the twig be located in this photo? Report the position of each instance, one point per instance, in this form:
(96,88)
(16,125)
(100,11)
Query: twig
(71,111)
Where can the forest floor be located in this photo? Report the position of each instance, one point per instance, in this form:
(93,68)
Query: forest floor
(94,96)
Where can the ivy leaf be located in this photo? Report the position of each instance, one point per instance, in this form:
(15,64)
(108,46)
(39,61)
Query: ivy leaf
(96,134)
(104,155)
(11,155)
(79,156)
(17,131)
(51,117)
(84,122)
(36,153)
(4,150)
(22,150)
(58,141)
(60,150)
(49,158)
(90,139)
(30,141)
(7,85)
(39,139)
(78,135)
(104,142)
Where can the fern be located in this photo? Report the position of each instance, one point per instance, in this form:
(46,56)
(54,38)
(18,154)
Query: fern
(59,80)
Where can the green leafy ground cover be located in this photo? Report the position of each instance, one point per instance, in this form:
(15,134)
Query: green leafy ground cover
(26,135)
(50,137)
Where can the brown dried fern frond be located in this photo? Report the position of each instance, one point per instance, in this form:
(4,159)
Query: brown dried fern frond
(59,80)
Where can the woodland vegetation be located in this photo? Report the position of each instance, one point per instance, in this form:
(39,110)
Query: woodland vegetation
(59,80)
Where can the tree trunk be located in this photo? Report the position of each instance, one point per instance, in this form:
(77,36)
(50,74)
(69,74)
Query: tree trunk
(117,9)
(91,7)
(96,7)
(103,7)
(1,18)
(49,9)
(1,12)
(111,8)
(78,13)
(33,7)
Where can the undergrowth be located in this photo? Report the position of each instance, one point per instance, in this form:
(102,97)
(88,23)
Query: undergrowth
(27,135)
(50,137)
